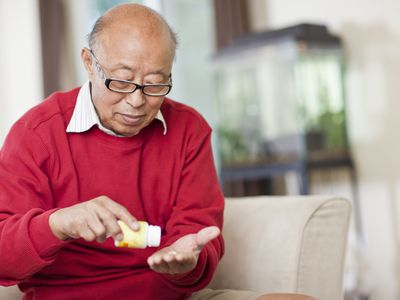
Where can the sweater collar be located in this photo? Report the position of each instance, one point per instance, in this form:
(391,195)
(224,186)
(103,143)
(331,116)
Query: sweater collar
(85,116)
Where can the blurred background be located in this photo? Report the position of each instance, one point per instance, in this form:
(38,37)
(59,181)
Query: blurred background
(303,97)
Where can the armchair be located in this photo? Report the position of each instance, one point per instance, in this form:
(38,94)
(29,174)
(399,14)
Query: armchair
(285,245)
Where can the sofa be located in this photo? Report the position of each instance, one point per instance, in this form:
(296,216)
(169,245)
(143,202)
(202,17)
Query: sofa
(279,245)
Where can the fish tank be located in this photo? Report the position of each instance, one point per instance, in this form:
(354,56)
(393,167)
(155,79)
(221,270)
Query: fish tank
(281,97)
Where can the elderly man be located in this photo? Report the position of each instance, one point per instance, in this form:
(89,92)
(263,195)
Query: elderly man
(114,149)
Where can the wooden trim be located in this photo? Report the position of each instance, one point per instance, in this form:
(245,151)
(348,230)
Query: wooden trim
(51,26)
(231,21)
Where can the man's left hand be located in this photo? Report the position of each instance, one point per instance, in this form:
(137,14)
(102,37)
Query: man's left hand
(181,256)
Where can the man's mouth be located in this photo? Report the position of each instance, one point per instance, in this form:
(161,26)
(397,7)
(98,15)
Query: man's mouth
(132,119)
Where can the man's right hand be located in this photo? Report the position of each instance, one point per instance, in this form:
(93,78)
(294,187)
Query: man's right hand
(91,220)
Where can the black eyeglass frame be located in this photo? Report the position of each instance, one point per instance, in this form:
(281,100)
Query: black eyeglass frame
(136,86)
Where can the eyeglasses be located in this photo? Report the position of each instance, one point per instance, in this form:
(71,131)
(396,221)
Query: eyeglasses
(128,87)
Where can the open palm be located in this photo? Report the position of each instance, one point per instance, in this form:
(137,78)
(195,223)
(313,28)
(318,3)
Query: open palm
(181,256)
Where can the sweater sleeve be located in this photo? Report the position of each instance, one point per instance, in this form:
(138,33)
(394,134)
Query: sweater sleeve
(26,241)
(199,204)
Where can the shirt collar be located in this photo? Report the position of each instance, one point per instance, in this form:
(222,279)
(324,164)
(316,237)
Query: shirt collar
(85,116)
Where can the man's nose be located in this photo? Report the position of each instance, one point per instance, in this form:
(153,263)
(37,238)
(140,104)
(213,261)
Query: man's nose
(135,99)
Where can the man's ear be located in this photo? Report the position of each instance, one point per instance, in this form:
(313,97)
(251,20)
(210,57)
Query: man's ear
(87,60)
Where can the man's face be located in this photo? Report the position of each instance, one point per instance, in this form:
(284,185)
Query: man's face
(140,59)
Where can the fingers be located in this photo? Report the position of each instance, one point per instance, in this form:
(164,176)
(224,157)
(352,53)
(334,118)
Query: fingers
(109,222)
(83,231)
(205,235)
(172,262)
(97,229)
(158,264)
(183,254)
(108,213)
(121,213)
(95,219)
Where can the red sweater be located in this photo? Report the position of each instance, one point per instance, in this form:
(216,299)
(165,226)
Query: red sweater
(168,180)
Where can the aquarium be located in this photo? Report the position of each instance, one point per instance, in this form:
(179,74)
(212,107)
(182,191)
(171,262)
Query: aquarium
(280,97)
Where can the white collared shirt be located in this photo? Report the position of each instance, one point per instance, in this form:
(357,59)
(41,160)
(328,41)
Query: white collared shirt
(85,115)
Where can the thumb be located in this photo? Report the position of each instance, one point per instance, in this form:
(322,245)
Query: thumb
(205,235)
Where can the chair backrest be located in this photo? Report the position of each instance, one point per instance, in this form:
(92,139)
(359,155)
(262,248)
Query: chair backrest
(285,244)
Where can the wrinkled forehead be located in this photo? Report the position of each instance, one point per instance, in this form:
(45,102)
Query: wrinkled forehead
(148,42)
(138,55)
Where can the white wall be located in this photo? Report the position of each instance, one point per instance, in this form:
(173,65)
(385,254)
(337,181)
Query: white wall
(79,19)
(371,32)
(20,60)
(192,74)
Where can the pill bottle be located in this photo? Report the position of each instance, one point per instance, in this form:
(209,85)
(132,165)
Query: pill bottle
(146,236)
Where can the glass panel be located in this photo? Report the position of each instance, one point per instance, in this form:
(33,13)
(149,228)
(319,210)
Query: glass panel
(281,102)
(320,94)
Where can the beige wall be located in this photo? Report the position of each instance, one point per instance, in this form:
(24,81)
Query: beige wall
(371,32)
(20,60)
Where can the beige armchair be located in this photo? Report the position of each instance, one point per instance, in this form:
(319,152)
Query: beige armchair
(285,245)
(280,245)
